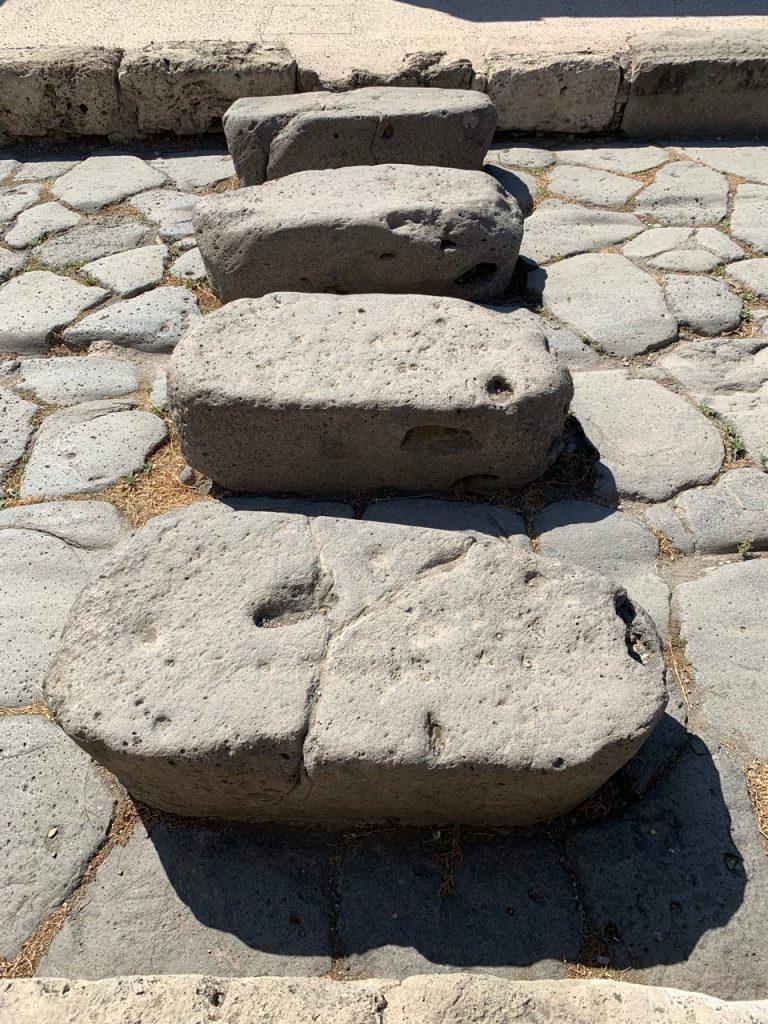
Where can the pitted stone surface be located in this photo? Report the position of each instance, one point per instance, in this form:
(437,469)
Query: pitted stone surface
(189,266)
(374,391)
(689,250)
(523,187)
(705,304)
(469,516)
(67,380)
(38,221)
(15,428)
(749,220)
(56,813)
(15,198)
(89,526)
(35,304)
(752,275)
(272,136)
(387,228)
(270,724)
(629,159)
(152,322)
(90,446)
(745,161)
(685,193)
(131,272)
(653,441)
(607,299)
(10,263)
(194,171)
(101,180)
(593,187)
(91,241)
(170,210)
(557,229)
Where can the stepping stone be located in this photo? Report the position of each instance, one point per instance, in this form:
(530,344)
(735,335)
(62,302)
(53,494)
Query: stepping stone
(749,162)
(196,170)
(189,266)
(688,250)
(16,198)
(627,159)
(349,393)
(57,813)
(151,322)
(42,170)
(752,275)
(33,224)
(596,188)
(609,543)
(521,186)
(91,241)
(35,304)
(749,220)
(15,428)
(520,156)
(368,672)
(89,526)
(556,229)
(608,300)
(271,136)
(685,193)
(653,441)
(102,180)
(67,380)
(294,506)
(131,272)
(90,446)
(469,516)
(171,211)
(563,343)
(722,620)
(388,228)
(10,263)
(705,304)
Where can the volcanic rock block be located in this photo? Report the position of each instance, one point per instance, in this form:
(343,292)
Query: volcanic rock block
(253,665)
(322,394)
(276,135)
(386,228)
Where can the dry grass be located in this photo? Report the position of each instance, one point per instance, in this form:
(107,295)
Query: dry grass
(28,709)
(594,963)
(757,781)
(666,548)
(449,858)
(677,662)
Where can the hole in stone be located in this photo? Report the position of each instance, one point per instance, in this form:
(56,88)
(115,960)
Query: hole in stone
(285,609)
(477,274)
(434,735)
(558,763)
(388,132)
(448,245)
(387,256)
(437,439)
(498,386)
(636,649)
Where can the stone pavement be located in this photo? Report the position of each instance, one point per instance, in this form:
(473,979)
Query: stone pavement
(646,268)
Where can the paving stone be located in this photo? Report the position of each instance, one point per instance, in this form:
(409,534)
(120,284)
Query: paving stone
(746,161)
(511,911)
(10,263)
(151,322)
(90,241)
(446,614)
(33,224)
(8,167)
(90,446)
(56,812)
(42,170)
(432,513)
(521,186)
(183,244)
(596,188)
(386,228)
(610,543)
(15,198)
(608,300)
(557,229)
(158,396)
(195,171)
(131,272)
(67,380)
(189,266)
(170,210)
(752,275)
(677,888)
(691,250)
(627,159)
(35,304)
(684,192)
(88,526)
(101,180)
(530,158)
(567,346)
(653,441)
(349,393)
(15,428)
(749,220)
(229,902)
(705,304)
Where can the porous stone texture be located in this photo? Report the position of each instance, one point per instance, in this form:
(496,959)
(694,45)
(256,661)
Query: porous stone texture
(749,220)
(705,304)
(522,187)
(745,161)
(129,273)
(15,428)
(189,266)
(10,263)
(194,171)
(301,658)
(33,224)
(351,392)
(591,186)
(607,299)
(387,228)
(653,441)
(170,210)
(35,304)
(626,159)
(435,514)
(152,322)
(520,156)
(67,380)
(689,250)
(557,229)
(722,620)
(684,192)
(276,135)
(91,241)
(101,180)
(751,275)
(563,343)
(90,446)
(16,198)
(57,813)
(89,526)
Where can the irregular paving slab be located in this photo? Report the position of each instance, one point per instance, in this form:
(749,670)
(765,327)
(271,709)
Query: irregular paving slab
(189,266)
(67,380)
(356,675)
(654,442)
(15,198)
(752,275)
(101,180)
(691,250)
(387,228)
(563,343)
(57,814)
(271,136)
(33,224)
(608,300)
(15,428)
(170,210)
(684,192)
(722,620)
(91,241)
(745,161)
(372,391)
(90,446)
(8,167)
(193,171)
(129,273)
(520,156)
(557,229)
(42,170)
(749,220)
(10,263)
(151,322)
(35,304)
(89,526)
(596,188)
(627,159)
(705,304)
(471,516)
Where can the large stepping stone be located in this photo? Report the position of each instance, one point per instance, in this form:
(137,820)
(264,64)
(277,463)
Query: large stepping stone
(34,305)
(350,392)
(353,671)
(388,228)
(271,136)
(557,229)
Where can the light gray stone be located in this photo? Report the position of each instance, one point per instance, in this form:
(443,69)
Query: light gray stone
(591,186)
(15,428)
(85,525)
(67,380)
(653,441)
(131,272)
(608,300)
(749,220)
(309,507)
(752,275)
(88,447)
(625,159)
(57,814)
(436,700)
(435,514)
(101,180)
(151,322)
(689,250)
(189,266)
(183,244)
(10,263)
(557,229)
(194,171)
(684,192)
(271,136)
(521,186)
(567,346)
(705,304)
(33,224)
(8,167)
(90,241)
(743,160)
(170,210)
(158,396)
(35,304)
(15,198)
(42,170)
(347,392)
(520,156)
